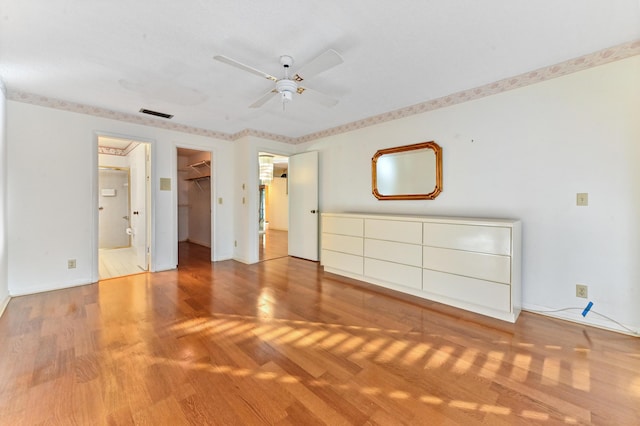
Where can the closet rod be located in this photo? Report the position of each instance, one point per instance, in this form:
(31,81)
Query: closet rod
(201,163)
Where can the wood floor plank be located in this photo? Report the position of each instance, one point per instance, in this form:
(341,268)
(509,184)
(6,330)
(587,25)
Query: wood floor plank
(281,342)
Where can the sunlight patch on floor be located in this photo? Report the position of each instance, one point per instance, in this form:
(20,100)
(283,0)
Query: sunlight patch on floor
(521,366)
(551,371)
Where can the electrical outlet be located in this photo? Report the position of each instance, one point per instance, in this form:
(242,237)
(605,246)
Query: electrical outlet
(71,264)
(581,291)
(235,243)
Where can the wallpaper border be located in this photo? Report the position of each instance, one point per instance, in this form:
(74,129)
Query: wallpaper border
(605,56)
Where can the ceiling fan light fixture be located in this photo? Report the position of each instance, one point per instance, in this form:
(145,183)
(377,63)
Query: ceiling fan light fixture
(286,85)
(286,96)
(286,88)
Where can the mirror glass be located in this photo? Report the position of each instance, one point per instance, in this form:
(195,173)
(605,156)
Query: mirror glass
(410,172)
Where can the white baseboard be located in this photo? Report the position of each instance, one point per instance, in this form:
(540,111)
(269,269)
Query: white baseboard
(575,315)
(3,305)
(200,243)
(160,268)
(221,258)
(50,287)
(243,260)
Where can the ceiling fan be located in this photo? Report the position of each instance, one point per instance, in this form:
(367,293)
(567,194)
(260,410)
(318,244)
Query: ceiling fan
(288,85)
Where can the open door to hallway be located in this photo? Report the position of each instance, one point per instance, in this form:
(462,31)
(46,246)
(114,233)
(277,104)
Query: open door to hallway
(303,205)
(273,206)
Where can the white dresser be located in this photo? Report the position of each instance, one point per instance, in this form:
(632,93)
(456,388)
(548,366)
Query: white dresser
(473,264)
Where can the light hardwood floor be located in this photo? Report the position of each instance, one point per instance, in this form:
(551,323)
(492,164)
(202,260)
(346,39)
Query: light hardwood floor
(282,342)
(118,262)
(273,244)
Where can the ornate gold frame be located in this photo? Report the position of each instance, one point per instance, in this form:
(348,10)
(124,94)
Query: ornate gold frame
(431,195)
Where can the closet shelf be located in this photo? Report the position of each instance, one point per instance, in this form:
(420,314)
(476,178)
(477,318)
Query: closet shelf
(196,166)
(197,172)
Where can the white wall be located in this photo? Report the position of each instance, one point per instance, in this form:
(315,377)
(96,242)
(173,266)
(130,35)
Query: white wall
(52,160)
(525,154)
(278,204)
(4,283)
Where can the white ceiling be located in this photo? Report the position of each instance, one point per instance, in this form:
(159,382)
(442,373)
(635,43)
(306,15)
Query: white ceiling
(158,54)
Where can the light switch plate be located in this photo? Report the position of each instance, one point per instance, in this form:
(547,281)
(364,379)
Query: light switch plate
(165,184)
(582,199)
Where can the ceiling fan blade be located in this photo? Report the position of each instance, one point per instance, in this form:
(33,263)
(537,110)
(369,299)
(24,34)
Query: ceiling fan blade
(244,67)
(325,61)
(318,97)
(263,99)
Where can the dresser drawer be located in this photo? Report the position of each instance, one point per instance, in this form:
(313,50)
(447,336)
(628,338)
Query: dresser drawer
(483,239)
(343,225)
(393,230)
(408,254)
(342,243)
(403,275)
(343,261)
(470,290)
(469,264)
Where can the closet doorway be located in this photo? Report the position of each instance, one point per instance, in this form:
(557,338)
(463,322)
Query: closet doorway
(273,206)
(123,207)
(194,201)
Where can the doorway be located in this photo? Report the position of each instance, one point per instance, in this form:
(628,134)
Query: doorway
(273,206)
(124,198)
(194,201)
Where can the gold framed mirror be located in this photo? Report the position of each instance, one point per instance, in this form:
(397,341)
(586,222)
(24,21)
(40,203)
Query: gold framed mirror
(409,172)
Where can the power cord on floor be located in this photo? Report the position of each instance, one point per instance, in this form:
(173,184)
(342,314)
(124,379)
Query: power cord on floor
(591,311)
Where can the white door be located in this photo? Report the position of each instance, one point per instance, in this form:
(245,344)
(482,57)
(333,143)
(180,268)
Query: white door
(139,179)
(303,205)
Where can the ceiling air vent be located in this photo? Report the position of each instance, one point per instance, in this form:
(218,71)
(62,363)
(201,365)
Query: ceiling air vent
(156,113)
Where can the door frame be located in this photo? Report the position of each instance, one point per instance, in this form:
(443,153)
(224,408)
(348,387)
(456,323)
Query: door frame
(213,184)
(147,204)
(94,182)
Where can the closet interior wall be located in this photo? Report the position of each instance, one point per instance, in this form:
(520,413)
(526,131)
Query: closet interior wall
(194,198)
